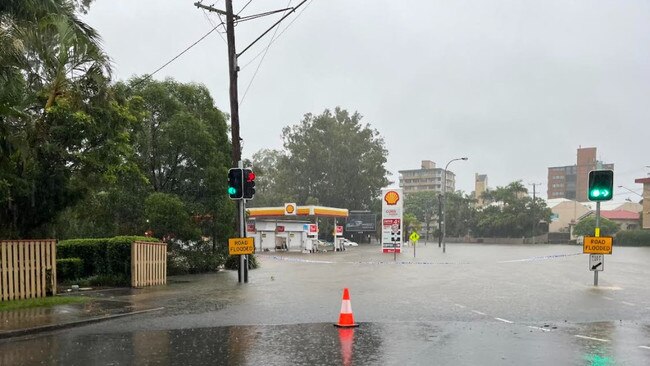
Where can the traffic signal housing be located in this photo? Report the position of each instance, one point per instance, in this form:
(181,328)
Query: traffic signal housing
(601,185)
(235,183)
(249,184)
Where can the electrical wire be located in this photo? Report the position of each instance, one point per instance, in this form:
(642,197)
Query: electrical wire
(266,50)
(278,37)
(242,9)
(212,23)
(148,76)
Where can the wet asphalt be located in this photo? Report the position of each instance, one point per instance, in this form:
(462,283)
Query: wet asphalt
(474,305)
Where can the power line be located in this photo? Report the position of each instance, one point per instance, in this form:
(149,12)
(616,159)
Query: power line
(266,50)
(242,9)
(212,23)
(278,37)
(177,56)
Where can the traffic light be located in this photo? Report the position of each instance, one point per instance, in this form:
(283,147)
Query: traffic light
(249,184)
(601,185)
(235,183)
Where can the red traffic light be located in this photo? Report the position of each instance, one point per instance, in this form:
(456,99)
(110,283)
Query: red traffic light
(250,177)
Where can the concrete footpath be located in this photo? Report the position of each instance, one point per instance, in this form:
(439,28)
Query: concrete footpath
(103,305)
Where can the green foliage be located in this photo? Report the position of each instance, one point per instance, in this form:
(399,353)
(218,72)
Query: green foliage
(633,238)
(512,213)
(232,262)
(332,158)
(168,217)
(88,250)
(42,302)
(69,269)
(587,226)
(197,257)
(102,258)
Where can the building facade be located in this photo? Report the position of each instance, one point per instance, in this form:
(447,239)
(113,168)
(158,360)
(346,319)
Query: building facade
(426,179)
(480,186)
(571,181)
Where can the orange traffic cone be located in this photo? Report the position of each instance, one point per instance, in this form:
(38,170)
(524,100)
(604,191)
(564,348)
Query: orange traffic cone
(346,318)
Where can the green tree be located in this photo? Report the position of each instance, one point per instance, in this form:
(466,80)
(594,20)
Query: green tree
(461,214)
(335,159)
(510,213)
(424,206)
(587,226)
(269,187)
(59,128)
(168,217)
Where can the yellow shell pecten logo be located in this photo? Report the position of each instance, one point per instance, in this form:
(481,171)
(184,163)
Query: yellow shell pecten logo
(291,209)
(391,198)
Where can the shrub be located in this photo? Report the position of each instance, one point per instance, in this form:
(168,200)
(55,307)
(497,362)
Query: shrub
(106,260)
(69,269)
(88,250)
(196,257)
(232,262)
(633,238)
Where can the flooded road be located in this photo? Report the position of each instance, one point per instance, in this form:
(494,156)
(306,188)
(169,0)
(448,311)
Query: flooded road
(477,304)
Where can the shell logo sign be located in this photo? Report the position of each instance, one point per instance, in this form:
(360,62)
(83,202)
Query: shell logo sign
(391,198)
(290,209)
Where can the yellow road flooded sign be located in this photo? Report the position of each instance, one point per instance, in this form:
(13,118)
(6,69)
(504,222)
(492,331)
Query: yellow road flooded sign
(237,246)
(597,245)
(414,237)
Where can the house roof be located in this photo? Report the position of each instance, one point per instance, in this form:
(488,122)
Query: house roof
(642,180)
(620,215)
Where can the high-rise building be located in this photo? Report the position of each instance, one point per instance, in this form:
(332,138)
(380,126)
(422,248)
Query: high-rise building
(571,181)
(480,186)
(427,179)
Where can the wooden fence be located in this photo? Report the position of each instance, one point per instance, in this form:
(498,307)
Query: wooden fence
(27,269)
(148,264)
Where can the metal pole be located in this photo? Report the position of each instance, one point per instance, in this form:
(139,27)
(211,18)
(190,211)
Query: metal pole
(242,233)
(597,234)
(439,220)
(444,209)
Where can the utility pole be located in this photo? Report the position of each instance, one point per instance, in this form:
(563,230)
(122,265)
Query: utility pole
(233,70)
(532,209)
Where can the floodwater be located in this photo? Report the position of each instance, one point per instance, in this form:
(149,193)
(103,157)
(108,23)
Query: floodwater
(474,305)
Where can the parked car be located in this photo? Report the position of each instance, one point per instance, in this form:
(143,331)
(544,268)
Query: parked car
(349,243)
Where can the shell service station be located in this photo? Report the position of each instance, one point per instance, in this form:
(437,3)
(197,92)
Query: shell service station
(293,227)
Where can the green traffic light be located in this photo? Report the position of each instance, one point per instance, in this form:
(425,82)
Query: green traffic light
(595,193)
(232,190)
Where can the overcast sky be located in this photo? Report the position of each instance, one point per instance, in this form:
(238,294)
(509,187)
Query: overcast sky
(514,85)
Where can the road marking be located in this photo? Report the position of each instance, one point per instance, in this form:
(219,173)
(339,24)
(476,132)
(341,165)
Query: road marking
(478,312)
(644,347)
(461,306)
(504,320)
(627,303)
(607,298)
(540,328)
(592,338)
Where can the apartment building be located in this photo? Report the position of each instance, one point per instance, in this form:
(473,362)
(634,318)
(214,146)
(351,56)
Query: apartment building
(426,179)
(571,181)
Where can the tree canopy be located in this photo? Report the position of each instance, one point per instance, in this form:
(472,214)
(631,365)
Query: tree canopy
(331,158)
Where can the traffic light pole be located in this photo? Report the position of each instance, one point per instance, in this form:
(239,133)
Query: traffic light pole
(242,273)
(597,234)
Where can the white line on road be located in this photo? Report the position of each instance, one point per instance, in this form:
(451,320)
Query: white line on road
(592,338)
(540,328)
(460,306)
(478,312)
(628,303)
(504,320)
(607,298)
(644,347)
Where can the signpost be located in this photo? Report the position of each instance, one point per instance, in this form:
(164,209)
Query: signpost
(596,262)
(392,223)
(597,245)
(240,246)
(414,237)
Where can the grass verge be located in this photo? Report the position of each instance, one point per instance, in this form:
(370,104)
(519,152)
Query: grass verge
(41,302)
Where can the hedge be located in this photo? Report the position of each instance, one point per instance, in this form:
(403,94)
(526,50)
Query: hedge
(633,238)
(102,257)
(69,269)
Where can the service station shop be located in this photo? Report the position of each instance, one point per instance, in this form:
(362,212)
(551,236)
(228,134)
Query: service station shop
(292,228)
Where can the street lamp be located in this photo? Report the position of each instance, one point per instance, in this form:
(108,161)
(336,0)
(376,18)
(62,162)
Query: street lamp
(444,212)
